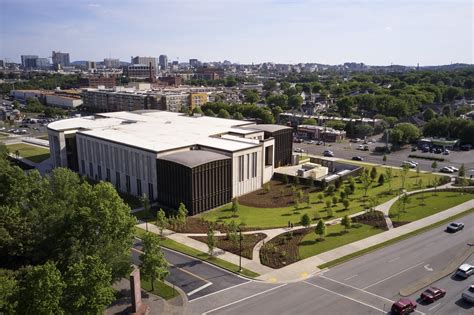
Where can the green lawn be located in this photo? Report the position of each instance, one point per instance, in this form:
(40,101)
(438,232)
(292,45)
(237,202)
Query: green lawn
(168,243)
(30,152)
(277,217)
(161,289)
(434,203)
(394,240)
(335,237)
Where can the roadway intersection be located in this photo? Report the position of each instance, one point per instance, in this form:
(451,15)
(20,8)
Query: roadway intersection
(365,285)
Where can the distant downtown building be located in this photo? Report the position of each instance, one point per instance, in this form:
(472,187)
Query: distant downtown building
(201,161)
(60,59)
(163,60)
(111,63)
(29,61)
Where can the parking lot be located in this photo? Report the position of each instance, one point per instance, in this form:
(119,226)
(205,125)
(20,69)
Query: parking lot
(348,150)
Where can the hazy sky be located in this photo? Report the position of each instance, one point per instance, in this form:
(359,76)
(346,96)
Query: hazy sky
(287,31)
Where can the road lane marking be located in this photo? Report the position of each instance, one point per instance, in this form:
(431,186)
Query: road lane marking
(349,278)
(181,269)
(433,307)
(237,285)
(199,289)
(346,297)
(394,275)
(427,267)
(244,299)
(356,288)
(394,259)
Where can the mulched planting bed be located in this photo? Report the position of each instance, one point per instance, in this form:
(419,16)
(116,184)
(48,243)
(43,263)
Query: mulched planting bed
(375,219)
(397,223)
(274,198)
(199,225)
(283,249)
(248,243)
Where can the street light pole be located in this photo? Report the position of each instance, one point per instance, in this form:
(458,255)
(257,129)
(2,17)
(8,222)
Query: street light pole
(240,250)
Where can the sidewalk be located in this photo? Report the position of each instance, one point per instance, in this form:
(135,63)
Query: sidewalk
(304,268)
(219,253)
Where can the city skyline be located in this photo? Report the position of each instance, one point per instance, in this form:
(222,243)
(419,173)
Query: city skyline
(327,32)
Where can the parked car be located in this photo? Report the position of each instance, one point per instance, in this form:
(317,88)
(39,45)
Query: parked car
(446,152)
(413,162)
(357,158)
(299,150)
(446,170)
(409,164)
(311,142)
(403,306)
(465,270)
(455,226)
(328,153)
(466,147)
(319,142)
(468,294)
(432,294)
(455,169)
(425,150)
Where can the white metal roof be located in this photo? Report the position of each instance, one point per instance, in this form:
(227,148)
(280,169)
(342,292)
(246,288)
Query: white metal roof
(158,130)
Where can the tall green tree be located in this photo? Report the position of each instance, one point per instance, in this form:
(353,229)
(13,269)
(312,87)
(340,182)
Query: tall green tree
(320,229)
(211,241)
(346,222)
(153,263)
(8,292)
(235,206)
(41,290)
(89,289)
(182,214)
(161,221)
(305,220)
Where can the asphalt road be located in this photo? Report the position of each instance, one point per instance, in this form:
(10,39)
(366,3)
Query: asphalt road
(349,150)
(195,277)
(365,285)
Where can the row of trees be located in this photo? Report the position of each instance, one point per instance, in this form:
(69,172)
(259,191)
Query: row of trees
(63,242)
(450,127)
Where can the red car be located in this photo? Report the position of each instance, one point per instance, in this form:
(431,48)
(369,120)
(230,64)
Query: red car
(432,294)
(403,306)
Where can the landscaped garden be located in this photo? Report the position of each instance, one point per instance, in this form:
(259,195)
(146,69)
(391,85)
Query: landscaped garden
(33,153)
(302,243)
(421,205)
(290,200)
(232,244)
(169,243)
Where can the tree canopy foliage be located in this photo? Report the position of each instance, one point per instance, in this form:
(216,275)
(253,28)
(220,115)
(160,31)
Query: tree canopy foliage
(64,220)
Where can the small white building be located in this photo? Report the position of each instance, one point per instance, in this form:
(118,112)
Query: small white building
(63,101)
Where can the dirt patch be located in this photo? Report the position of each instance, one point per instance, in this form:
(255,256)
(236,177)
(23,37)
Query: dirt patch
(283,249)
(248,243)
(375,219)
(278,195)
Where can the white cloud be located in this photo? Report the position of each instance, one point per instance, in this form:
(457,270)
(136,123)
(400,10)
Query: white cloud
(93,5)
(388,28)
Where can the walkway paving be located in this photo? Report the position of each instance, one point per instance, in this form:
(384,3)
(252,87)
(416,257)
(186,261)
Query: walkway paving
(302,269)
(186,240)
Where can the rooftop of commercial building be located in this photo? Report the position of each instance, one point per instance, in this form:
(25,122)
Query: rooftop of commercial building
(194,158)
(159,131)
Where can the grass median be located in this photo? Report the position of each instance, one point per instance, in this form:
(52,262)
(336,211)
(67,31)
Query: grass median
(161,289)
(394,240)
(422,205)
(168,243)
